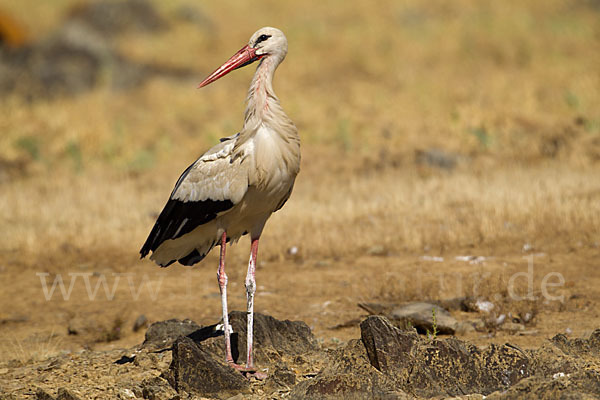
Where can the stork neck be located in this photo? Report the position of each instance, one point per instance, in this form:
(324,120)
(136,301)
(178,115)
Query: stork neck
(262,101)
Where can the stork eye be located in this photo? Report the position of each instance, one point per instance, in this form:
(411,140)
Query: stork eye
(261,38)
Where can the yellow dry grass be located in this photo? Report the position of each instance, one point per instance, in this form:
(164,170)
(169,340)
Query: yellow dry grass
(511,87)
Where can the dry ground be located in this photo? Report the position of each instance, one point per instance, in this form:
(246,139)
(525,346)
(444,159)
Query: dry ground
(509,91)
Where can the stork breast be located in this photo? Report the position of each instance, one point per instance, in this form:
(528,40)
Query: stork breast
(271,172)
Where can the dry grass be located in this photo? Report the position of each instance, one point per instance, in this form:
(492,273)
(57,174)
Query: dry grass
(512,88)
(325,218)
(36,348)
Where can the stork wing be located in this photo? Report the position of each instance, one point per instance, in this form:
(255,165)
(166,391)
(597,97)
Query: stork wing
(211,185)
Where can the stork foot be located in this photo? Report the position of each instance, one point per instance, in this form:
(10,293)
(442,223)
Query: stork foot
(248,372)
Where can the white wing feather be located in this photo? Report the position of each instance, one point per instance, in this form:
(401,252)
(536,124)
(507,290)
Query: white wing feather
(215,176)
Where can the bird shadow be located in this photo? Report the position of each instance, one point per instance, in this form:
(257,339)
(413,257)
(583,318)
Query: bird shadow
(211,331)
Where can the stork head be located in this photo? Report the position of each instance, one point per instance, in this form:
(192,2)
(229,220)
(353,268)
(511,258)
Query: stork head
(269,41)
(266,42)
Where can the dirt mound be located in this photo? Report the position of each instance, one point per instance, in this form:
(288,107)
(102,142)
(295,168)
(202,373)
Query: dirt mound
(386,363)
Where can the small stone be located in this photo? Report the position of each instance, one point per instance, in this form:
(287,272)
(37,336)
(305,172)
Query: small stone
(479,325)
(377,251)
(471,259)
(41,394)
(527,247)
(76,326)
(529,332)
(66,394)
(484,305)
(512,327)
(432,258)
(127,394)
(500,320)
(465,327)
(420,316)
(436,158)
(140,322)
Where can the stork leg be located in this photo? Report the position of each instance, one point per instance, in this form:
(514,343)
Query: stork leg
(249,369)
(222,278)
(250,290)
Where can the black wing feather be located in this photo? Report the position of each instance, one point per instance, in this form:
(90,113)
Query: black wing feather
(178,218)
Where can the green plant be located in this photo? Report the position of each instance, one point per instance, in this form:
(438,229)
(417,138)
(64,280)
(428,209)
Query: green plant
(30,145)
(73,150)
(343,134)
(485,139)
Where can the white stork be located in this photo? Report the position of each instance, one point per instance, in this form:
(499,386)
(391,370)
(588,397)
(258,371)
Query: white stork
(235,186)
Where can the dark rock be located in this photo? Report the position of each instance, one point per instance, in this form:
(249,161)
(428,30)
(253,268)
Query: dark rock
(140,322)
(348,375)
(161,335)
(420,316)
(80,326)
(194,370)
(41,394)
(276,344)
(111,18)
(436,158)
(457,304)
(577,347)
(549,360)
(274,340)
(66,394)
(387,347)
(74,59)
(433,367)
(584,384)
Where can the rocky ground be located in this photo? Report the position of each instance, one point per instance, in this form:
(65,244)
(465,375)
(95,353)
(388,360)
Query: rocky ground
(182,360)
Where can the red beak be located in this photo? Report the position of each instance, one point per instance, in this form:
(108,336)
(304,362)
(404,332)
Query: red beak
(246,55)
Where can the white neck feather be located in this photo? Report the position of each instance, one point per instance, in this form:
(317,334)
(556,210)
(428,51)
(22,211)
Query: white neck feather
(263,110)
(263,105)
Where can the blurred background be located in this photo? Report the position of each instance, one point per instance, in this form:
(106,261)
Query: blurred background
(428,129)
